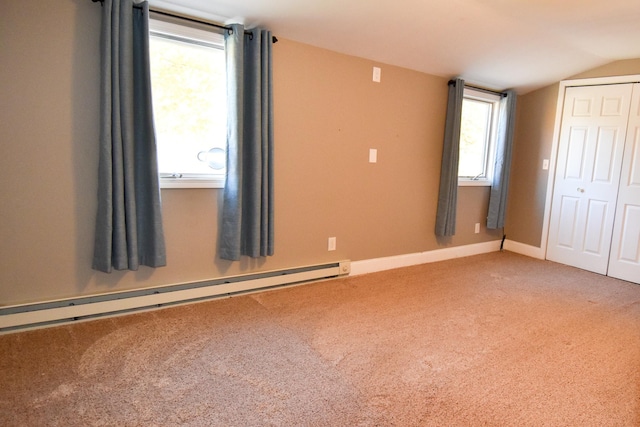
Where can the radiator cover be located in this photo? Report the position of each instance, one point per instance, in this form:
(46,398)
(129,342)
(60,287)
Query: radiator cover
(20,317)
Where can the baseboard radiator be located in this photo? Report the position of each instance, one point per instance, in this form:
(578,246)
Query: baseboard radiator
(30,316)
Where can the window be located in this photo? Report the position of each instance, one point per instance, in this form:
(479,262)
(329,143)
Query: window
(477,137)
(188,78)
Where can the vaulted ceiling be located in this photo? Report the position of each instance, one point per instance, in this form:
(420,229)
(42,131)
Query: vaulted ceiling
(500,44)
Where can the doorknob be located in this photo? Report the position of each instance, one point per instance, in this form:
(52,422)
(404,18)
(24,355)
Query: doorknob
(581,190)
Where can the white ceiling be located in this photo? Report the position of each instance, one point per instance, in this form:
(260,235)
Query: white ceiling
(499,44)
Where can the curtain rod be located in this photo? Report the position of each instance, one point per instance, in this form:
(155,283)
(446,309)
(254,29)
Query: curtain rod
(197,21)
(481,89)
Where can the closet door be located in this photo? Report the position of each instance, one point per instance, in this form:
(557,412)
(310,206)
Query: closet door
(624,262)
(592,139)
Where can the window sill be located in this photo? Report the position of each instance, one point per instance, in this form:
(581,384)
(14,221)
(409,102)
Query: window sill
(473,183)
(214,182)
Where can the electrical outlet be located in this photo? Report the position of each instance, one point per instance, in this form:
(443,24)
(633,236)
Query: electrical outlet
(477,227)
(373,155)
(332,244)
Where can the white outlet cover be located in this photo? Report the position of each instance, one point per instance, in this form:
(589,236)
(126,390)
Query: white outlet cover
(373,155)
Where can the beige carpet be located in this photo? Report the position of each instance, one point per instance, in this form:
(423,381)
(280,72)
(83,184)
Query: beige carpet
(491,340)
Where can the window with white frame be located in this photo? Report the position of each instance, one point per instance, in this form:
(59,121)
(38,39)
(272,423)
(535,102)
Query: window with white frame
(188,79)
(477,137)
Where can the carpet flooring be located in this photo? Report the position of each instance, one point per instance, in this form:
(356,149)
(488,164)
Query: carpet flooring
(491,340)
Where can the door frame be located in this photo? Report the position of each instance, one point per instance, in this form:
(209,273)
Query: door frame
(596,81)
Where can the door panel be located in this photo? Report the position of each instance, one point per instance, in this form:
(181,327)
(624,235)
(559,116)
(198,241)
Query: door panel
(592,140)
(624,262)
(613,106)
(576,153)
(596,227)
(629,250)
(568,215)
(605,155)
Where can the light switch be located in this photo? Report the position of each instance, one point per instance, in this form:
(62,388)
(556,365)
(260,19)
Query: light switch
(545,164)
(332,244)
(376,74)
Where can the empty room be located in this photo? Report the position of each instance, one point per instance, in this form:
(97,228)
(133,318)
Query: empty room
(320,213)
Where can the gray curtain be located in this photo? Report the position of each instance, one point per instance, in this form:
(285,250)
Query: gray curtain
(502,168)
(448,195)
(129,221)
(247,212)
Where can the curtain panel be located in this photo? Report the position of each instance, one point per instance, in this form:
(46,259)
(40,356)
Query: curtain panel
(502,167)
(448,194)
(129,230)
(248,212)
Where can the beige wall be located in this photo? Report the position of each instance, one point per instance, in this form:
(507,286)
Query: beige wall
(616,68)
(328,114)
(532,143)
(535,118)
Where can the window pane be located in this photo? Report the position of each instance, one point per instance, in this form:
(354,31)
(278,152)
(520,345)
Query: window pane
(474,138)
(189,101)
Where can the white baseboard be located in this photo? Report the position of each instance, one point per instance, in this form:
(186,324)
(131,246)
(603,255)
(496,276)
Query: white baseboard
(523,249)
(398,261)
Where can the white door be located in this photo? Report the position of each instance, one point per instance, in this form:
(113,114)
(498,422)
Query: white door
(624,262)
(592,139)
